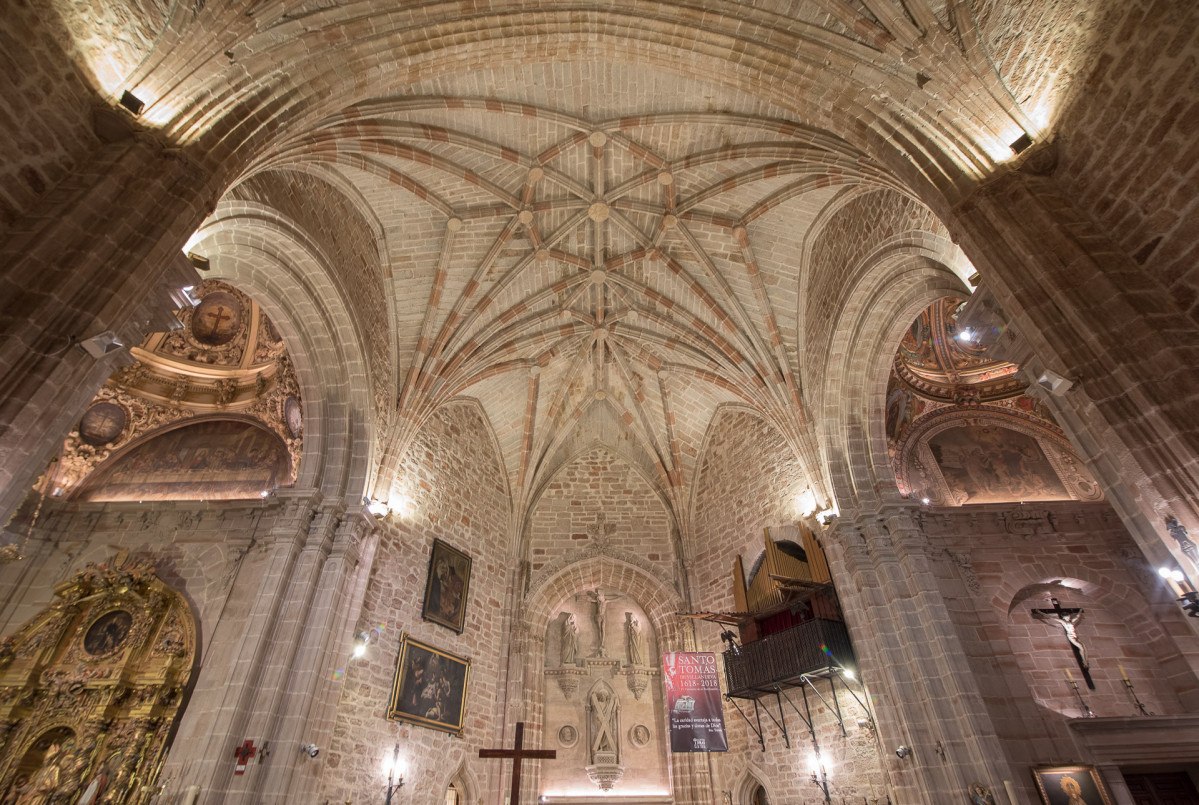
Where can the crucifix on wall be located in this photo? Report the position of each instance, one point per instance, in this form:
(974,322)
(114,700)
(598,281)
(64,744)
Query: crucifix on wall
(1068,618)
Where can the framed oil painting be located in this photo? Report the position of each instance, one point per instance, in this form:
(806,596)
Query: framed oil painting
(1071,785)
(447,587)
(429,688)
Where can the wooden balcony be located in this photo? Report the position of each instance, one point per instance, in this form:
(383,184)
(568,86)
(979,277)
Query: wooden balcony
(780,659)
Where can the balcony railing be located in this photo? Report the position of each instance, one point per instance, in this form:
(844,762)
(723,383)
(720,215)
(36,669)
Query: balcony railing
(782,658)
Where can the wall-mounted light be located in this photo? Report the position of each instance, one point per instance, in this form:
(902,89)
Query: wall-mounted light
(395,773)
(379,508)
(826,516)
(133,103)
(819,768)
(361,641)
(1021,143)
(805,502)
(902,751)
(103,344)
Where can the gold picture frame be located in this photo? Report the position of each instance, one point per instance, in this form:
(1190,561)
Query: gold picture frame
(1071,785)
(429,688)
(447,587)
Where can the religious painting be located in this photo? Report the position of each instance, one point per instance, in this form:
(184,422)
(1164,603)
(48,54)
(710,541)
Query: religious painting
(217,319)
(991,464)
(447,587)
(108,633)
(102,423)
(208,460)
(1071,785)
(429,689)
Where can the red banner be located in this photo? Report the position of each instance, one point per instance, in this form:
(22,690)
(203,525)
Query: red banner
(693,696)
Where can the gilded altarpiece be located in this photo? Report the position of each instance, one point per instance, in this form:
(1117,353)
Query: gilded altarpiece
(90,689)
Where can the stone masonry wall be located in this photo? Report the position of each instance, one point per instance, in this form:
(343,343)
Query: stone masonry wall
(1130,144)
(45,111)
(637,522)
(457,492)
(1000,562)
(747,482)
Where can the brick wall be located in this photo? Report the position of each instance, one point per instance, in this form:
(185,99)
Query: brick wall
(747,481)
(600,482)
(458,495)
(45,109)
(993,571)
(350,246)
(1130,144)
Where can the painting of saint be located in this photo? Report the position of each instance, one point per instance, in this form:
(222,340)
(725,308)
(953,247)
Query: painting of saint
(992,464)
(447,587)
(108,633)
(1071,785)
(429,688)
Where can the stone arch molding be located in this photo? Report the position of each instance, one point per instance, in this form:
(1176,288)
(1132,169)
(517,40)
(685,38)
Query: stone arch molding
(104,672)
(553,586)
(750,780)
(916,456)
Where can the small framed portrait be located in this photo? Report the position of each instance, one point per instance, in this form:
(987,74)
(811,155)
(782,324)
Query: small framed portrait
(447,587)
(429,688)
(1071,785)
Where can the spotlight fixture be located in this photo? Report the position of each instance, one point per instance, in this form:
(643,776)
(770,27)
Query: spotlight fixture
(827,516)
(902,751)
(1021,143)
(103,344)
(132,102)
(361,640)
(312,750)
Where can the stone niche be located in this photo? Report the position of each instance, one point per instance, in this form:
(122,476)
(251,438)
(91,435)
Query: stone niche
(603,702)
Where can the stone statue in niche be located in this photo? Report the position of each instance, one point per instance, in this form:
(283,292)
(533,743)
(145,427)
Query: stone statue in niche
(570,639)
(635,639)
(599,612)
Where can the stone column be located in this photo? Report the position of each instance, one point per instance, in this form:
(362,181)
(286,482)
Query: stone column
(291,773)
(1097,318)
(87,259)
(203,750)
(911,658)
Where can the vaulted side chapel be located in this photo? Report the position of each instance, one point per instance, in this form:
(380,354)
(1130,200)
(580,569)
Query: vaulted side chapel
(386,383)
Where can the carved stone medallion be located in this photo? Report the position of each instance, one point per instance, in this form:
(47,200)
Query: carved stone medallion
(568,736)
(107,633)
(639,735)
(102,424)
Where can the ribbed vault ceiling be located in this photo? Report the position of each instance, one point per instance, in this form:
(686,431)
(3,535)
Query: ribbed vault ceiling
(587,275)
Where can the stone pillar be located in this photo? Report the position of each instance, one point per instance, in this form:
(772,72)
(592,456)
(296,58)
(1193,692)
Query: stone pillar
(1098,319)
(204,751)
(911,659)
(85,260)
(323,645)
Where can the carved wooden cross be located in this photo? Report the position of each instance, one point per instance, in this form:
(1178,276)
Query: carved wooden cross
(1068,618)
(518,753)
(243,753)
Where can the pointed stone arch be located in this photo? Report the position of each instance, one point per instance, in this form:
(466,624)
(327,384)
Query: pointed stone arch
(750,781)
